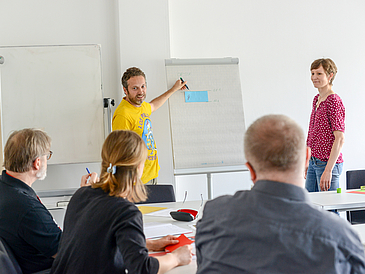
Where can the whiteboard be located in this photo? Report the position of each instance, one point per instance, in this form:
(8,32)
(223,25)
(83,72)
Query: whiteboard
(207,121)
(57,89)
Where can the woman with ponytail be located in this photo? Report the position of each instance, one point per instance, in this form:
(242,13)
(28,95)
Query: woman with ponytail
(103,229)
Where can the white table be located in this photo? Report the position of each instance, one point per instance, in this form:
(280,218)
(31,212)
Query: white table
(187,269)
(331,200)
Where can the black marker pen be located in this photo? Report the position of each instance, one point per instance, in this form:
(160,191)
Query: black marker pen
(183,82)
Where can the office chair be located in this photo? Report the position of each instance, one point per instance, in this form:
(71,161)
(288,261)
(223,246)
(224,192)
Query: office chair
(8,263)
(355,179)
(159,194)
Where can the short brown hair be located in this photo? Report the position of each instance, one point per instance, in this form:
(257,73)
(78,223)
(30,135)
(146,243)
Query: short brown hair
(23,147)
(125,150)
(129,73)
(274,142)
(328,65)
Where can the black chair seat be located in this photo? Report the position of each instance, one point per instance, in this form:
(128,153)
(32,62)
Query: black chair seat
(8,263)
(354,180)
(159,194)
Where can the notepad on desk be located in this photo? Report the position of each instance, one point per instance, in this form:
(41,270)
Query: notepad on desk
(150,209)
(154,230)
(161,213)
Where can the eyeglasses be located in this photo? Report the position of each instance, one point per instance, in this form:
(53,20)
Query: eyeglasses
(49,154)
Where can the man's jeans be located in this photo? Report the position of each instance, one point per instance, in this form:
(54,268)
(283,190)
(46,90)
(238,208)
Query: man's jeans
(314,173)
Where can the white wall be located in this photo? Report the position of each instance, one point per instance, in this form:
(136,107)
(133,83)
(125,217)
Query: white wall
(131,33)
(276,41)
(43,22)
(144,43)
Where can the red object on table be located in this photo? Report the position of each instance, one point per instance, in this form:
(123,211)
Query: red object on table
(183,240)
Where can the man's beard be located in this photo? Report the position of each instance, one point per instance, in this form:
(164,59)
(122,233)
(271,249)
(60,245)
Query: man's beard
(135,100)
(42,173)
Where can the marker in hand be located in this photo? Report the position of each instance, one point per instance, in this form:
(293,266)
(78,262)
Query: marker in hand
(88,171)
(183,82)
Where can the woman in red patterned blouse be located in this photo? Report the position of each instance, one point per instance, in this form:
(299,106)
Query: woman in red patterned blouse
(326,130)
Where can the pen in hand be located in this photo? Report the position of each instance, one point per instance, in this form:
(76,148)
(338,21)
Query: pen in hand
(185,84)
(84,179)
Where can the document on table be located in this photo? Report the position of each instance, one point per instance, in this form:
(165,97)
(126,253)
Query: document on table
(149,209)
(162,213)
(357,191)
(153,230)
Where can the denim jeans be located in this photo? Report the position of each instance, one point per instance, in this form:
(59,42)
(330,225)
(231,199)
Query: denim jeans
(152,182)
(314,173)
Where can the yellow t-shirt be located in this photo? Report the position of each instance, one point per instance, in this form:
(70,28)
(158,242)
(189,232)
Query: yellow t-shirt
(137,119)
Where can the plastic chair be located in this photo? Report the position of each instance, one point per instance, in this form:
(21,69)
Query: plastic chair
(159,194)
(8,263)
(354,180)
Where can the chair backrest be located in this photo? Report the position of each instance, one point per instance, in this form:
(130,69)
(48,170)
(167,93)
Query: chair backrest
(8,263)
(159,194)
(355,178)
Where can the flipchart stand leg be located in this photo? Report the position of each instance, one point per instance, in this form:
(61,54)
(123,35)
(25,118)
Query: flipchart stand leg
(210,186)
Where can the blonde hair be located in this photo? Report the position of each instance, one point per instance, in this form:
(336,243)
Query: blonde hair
(125,151)
(23,147)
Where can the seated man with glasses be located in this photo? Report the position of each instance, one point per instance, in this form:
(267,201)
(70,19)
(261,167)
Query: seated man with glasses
(25,224)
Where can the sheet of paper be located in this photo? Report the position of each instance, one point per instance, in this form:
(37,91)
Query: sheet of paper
(357,191)
(213,102)
(149,209)
(162,213)
(154,230)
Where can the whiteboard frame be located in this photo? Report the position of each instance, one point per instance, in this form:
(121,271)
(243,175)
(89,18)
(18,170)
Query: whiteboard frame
(90,124)
(204,61)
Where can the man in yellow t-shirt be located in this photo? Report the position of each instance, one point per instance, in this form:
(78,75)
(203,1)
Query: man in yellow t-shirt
(134,114)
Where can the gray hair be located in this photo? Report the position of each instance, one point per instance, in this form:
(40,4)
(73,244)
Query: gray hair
(274,142)
(23,147)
